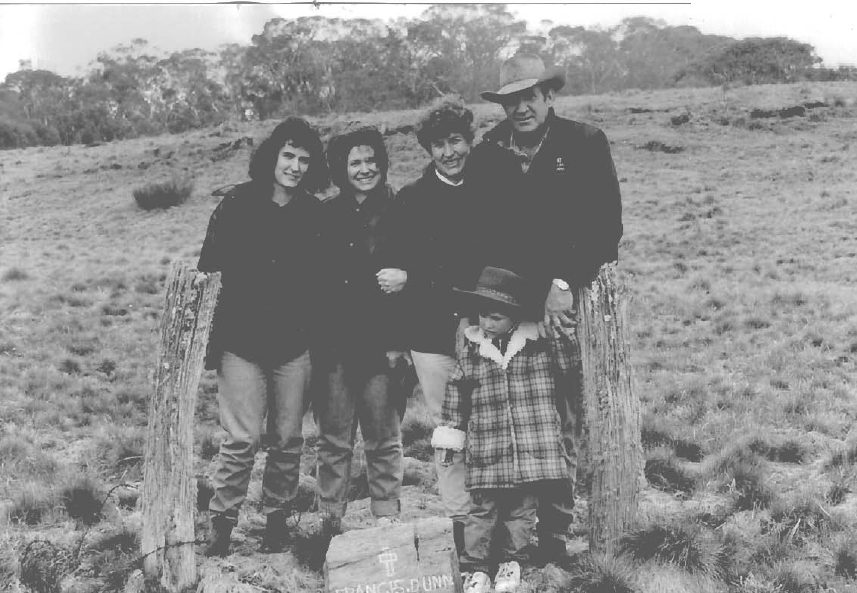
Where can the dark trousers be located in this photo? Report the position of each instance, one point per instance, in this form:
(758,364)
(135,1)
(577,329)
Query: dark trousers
(508,514)
(556,504)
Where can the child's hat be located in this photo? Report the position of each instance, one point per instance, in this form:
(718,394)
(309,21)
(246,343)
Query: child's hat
(499,287)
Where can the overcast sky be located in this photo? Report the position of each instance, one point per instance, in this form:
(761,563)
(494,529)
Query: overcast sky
(65,38)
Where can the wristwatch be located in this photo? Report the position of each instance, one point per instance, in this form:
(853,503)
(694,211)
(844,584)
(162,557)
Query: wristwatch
(560,284)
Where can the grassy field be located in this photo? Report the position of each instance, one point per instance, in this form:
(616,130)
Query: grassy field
(739,253)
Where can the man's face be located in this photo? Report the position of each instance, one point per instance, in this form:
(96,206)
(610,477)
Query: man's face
(528,109)
(450,154)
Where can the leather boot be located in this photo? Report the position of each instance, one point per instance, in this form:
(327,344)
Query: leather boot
(458,536)
(221,531)
(276,532)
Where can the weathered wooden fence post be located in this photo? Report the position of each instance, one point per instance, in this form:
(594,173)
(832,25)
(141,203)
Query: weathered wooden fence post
(612,410)
(169,489)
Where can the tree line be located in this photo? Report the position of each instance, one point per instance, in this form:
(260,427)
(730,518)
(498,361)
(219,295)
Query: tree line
(315,65)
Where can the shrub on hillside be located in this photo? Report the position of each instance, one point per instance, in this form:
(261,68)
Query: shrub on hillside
(164,194)
(14,134)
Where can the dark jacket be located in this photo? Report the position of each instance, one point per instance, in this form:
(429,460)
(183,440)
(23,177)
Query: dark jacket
(358,321)
(574,207)
(443,236)
(265,255)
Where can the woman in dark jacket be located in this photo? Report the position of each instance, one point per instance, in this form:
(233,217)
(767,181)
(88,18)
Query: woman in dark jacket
(456,218)
(356,345)
(260,238)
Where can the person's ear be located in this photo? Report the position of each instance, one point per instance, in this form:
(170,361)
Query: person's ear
(550,95)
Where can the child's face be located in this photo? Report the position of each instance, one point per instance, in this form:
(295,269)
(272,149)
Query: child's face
(495,323)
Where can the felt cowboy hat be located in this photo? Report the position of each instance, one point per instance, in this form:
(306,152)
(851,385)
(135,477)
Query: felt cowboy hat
(498,288)
(521,72)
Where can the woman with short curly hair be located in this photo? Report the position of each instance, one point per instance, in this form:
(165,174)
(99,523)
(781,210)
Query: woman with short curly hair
(455,219)
(260,238)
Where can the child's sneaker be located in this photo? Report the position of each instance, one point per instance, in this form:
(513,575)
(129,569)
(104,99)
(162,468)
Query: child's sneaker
(478,582)
(508,577)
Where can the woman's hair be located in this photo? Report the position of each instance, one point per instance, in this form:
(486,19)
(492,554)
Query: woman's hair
(341,144)
(446,116)
(298,132)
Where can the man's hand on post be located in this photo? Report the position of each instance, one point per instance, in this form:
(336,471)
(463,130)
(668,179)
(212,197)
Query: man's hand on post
(559,310)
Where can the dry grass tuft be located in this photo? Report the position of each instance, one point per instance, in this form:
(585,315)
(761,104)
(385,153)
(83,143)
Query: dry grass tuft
(845,457)
(686,544)
(801,518)
(793,577)
(845,557)
(164,194)
(657,432)
(665,472)
(603,574)
(789,450)
(15,274)
(43,566)
(114,556)
(33,504)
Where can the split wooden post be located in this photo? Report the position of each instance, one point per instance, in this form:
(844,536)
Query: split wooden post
(611,409)
(169,488)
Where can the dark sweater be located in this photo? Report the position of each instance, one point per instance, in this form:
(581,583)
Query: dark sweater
(263,252)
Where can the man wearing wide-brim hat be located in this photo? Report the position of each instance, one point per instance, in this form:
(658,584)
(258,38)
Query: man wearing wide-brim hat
(573,219)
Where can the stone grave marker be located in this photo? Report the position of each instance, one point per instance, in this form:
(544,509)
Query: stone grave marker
(416,557)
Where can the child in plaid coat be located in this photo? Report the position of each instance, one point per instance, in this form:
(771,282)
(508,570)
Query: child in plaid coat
(501,408)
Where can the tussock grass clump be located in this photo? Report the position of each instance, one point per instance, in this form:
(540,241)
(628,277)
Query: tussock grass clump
(665,472)
(793,577)
(800,518)
(69,366)
(83,499)
(656,432)
(23,460)
(15,274)
(43,566)
(837,492)
(684,543)
(113,557)
(165,194)
(32,505)
(603,574)
(747,481)
(845,457)
(743,473)
(845,557)
(789,450)
(121,449)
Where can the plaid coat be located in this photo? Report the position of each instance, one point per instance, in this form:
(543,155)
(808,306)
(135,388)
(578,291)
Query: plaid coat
(507,406)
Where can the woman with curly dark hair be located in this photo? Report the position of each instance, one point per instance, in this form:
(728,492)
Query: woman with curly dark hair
(356,346)
(260,238)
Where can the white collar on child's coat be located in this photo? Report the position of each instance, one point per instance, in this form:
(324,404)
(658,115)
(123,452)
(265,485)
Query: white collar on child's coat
(526,330)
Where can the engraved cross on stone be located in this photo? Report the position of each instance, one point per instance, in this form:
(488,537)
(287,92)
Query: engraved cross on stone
(388,558)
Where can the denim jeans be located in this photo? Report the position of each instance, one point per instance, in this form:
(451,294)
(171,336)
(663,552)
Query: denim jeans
(345,397)
(246,393)
(505,513)
(433,371)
